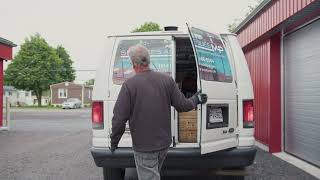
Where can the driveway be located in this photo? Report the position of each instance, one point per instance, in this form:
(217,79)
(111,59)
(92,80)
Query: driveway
(54,145)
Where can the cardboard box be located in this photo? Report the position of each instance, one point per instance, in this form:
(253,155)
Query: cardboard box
(187,127)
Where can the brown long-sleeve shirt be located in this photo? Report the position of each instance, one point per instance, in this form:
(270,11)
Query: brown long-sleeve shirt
(145,100)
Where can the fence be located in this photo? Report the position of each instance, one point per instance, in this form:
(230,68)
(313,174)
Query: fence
(6,114)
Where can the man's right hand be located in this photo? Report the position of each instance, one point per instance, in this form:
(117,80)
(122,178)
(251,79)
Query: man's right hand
(202,97)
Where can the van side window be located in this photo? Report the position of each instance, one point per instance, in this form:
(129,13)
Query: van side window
(160,58)
(214,64)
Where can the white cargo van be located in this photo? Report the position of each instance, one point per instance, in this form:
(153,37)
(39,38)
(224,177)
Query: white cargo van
(216,135)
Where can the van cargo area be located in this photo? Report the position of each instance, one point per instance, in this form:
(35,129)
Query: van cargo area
(186,78)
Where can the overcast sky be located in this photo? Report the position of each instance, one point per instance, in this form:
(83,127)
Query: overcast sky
(81,26)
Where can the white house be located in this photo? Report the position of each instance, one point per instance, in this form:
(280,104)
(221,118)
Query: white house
(21,97)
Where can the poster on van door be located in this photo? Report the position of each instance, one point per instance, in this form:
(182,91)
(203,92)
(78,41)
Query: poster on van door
(212,56)
(160,57)
(159,63)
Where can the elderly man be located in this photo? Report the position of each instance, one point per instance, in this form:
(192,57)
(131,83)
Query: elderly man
(145,100)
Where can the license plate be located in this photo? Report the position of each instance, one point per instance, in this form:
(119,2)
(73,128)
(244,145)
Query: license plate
(215,115)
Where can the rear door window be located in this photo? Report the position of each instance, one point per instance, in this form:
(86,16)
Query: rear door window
(160,57)
(212,57)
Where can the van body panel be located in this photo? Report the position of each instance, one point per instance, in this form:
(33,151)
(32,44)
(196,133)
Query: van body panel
(100,93)
(244,83)
(101,80)
(100,142)
(244,87)
(246,141)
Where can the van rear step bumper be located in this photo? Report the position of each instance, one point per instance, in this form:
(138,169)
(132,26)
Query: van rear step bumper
(179,158)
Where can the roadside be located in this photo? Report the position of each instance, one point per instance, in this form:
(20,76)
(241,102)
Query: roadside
(45,109)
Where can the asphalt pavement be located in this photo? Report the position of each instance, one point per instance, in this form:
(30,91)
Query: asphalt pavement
(54,145)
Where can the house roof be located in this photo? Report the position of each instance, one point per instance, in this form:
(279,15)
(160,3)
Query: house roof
(7,42)
(252,15)
(71,83)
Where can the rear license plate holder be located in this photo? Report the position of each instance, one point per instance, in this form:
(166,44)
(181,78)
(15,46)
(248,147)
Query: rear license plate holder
(217,116)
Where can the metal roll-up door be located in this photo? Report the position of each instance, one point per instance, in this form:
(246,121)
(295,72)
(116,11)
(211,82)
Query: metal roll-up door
(302,93)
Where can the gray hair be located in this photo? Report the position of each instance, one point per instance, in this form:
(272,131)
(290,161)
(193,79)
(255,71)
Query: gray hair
(139,55)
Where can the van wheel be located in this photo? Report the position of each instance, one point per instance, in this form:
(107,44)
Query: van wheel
(113,173)
(235,178)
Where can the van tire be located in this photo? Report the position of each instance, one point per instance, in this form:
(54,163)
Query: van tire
(113,174)
(235,178)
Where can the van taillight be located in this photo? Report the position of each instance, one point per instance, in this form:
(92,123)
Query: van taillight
(97,115)
(248,117)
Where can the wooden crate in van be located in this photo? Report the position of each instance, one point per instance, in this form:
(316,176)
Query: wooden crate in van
(187,130)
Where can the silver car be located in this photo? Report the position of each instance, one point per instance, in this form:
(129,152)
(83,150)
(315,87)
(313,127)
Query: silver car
(71,103)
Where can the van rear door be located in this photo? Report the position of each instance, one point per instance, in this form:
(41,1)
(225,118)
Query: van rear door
(161,59)
(219,114)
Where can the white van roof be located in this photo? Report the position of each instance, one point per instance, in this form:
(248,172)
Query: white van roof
(152,33)
(160,33)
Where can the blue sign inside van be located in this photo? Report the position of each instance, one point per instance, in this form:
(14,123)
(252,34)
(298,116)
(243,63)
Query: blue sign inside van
(160,57)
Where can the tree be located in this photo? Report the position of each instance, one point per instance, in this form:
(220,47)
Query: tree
(34,67)
(148,26)
(234,25)
(67,72)
(89,82)
(237,21)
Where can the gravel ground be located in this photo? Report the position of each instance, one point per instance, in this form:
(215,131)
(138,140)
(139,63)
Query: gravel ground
(54,145)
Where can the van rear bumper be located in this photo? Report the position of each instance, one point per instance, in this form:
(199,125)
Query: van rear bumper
(179,158)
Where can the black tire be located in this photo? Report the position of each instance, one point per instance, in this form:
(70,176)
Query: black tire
(235,178)
(113,174)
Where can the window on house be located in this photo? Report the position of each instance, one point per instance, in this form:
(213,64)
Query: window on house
(10,93)
(27,94)
(62,93)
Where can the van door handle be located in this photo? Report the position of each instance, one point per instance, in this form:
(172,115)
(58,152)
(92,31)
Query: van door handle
(231,130)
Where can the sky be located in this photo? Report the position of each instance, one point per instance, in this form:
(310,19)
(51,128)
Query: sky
(81,26)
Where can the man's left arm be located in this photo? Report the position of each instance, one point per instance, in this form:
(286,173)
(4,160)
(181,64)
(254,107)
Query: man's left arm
(121,114)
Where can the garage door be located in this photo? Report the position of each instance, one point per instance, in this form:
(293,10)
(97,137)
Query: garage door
(302,93)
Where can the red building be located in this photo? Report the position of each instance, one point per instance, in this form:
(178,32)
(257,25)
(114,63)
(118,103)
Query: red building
(281,41)
(5,54)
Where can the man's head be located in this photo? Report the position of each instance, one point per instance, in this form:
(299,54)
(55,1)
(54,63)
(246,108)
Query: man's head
(140,57)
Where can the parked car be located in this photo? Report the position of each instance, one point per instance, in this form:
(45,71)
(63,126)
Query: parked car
(71,103)
(216,135)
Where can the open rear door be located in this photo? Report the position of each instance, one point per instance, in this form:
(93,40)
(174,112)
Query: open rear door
(219,114)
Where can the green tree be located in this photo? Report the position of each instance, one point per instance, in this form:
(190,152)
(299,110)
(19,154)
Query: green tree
(34,67)
(67,72)
(237,21)
(89,82)
(148,26)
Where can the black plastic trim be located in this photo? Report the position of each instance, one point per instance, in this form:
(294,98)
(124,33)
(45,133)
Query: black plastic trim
(183,158)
